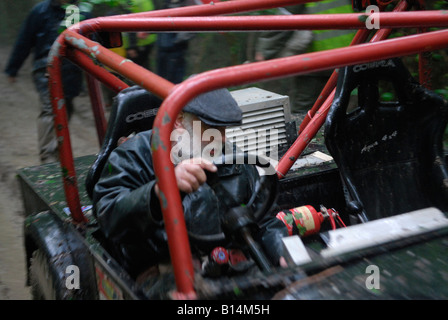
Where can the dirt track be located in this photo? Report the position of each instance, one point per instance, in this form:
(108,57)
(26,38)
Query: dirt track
(19,108)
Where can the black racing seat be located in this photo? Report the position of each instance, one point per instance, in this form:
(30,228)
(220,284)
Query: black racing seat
(133,111)
(390,154)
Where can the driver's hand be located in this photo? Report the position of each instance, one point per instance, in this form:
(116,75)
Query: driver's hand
(190,174)
(283,263)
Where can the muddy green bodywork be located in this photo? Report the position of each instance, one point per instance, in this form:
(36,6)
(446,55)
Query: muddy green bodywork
(415,268)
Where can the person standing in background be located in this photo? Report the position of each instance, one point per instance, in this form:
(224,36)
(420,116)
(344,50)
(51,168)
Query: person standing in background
(172,48)
(307,87)
(38,33)
(313,83)
(279,44)
(139,45)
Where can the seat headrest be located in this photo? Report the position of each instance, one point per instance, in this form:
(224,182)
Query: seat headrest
(133,110)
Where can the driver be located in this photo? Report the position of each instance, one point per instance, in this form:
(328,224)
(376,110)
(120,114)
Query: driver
(125,198)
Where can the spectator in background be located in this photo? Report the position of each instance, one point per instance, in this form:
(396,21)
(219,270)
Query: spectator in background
(279,44)
(307,87)
(172,48)
(140,45)
(137,46)
(38,33)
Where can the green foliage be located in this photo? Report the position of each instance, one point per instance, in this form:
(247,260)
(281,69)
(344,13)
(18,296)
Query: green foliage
(443,92)
(440,5)
(263,12)
(111,3)
(95,5)
(387,96)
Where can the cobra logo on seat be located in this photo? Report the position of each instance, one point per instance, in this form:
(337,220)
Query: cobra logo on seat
(141,115)
(374,65)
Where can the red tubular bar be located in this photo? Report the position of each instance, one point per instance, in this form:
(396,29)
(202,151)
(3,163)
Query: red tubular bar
(434,18)
(323,106)
(86,63)
(228,7)
(178,96)
(309,131)
(61,126)
(96,99)
(424,67)
(141,76)
(360,37)
(105,77)
(311,124)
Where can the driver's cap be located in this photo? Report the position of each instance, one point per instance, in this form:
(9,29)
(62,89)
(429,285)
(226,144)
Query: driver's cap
(216,108)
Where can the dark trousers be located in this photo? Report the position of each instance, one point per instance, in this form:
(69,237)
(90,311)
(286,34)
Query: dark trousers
(171,64)
(46,134)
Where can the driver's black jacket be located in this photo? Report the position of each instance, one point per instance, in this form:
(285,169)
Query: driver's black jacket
(129,213)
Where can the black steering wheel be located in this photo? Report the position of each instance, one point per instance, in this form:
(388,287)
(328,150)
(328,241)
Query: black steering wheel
(266,187)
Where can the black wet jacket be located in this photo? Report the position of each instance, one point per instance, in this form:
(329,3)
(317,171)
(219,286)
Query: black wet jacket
(129,213)
(38,33)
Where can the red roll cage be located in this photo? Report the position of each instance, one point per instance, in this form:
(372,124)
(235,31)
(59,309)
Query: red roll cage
(75,45)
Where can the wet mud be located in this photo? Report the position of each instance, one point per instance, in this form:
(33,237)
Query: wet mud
(19,108)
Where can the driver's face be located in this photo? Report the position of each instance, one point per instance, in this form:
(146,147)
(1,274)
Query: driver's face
(210,138)
(221,130)
(204,140)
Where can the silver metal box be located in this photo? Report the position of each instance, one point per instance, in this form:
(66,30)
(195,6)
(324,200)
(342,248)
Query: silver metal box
(265,117)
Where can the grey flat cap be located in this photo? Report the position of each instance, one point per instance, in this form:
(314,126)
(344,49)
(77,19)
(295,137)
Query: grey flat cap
(216,108)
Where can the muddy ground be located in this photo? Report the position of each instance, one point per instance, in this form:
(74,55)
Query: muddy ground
(19,108)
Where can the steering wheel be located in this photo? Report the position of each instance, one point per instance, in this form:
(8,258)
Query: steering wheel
(267,184)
